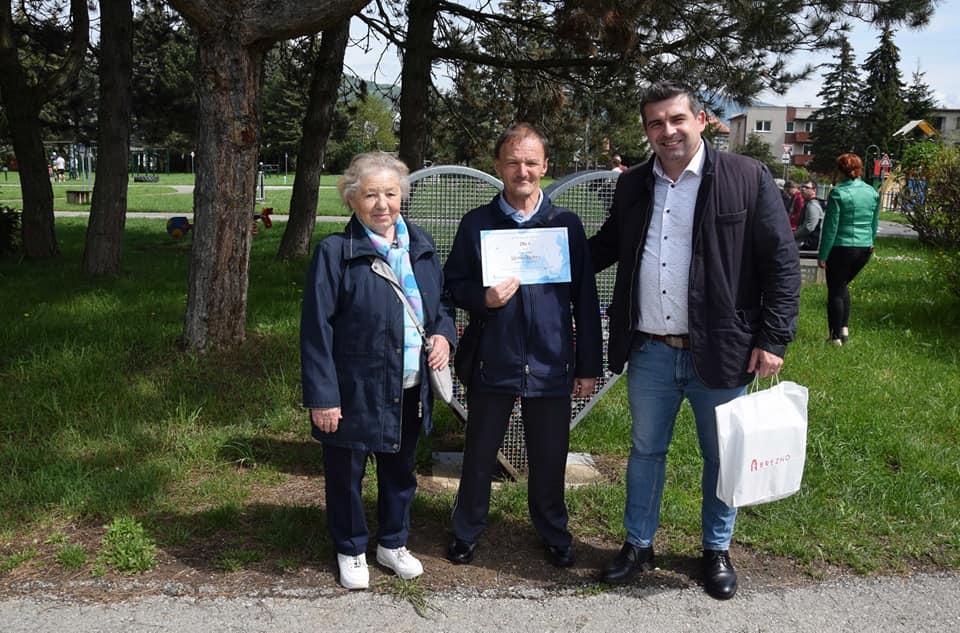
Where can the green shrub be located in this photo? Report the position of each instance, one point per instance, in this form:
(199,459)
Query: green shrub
(933,208)
(799,174)
(9,230)
(127,547)
(72,556)
(917,157)
(11,562)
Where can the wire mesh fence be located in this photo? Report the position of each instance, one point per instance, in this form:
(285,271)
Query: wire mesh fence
(441,196)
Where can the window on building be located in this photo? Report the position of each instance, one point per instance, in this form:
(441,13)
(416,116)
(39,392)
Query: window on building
(761,126)
(939,122)
(807,149)
(957,126)
(808,126)
(790,126)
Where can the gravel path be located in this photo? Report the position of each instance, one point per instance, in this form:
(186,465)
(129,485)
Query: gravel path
(916,604)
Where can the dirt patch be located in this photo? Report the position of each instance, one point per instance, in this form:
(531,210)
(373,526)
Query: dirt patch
(509,560)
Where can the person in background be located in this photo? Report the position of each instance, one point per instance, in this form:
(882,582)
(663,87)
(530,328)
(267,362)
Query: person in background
(60,167)
(846,241)
(807,233)
(363,366)
(706,297)
(792,203)
(616,164)
(525,348)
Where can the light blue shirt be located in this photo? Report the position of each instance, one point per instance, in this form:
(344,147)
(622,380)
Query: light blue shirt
(514,214)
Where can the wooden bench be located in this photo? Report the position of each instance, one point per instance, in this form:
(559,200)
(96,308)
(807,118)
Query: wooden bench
(78,196)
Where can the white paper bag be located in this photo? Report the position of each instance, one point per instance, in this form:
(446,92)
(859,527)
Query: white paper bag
(763,443)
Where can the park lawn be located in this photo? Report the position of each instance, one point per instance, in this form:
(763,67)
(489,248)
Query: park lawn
(104,417)
(168,179)
(161,198)
(894,216)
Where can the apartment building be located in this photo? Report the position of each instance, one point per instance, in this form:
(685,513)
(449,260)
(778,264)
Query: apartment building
(947,124)
(785,129)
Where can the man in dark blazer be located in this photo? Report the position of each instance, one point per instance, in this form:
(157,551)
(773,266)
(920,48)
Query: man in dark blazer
(706,297)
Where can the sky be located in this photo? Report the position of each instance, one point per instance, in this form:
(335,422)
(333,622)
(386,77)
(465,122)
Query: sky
(935,48)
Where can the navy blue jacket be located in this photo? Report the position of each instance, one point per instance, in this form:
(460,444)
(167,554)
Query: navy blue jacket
(744,287)
(527,345)
(351,337)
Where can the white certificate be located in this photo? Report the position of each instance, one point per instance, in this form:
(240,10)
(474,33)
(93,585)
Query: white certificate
(535,256)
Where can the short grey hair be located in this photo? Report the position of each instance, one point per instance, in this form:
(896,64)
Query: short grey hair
(363,165)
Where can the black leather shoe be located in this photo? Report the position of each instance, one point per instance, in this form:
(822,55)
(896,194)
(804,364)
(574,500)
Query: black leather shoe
(560,556)
(627,563)
(719,576)
(460,552)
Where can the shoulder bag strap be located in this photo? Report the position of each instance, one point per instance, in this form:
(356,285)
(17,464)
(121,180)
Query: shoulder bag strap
(383,269)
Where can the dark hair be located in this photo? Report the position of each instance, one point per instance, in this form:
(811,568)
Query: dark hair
(850,165)
(789,184)
(663,90)
(519,131)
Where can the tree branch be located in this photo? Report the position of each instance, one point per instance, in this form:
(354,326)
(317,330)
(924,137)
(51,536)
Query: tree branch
(273,20)
(73,60)
(547,63)
(266,20)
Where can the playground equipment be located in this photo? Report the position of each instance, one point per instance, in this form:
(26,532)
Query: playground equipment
(180,225)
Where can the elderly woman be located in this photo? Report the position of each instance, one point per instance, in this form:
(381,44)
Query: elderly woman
(364,366)
(846,240)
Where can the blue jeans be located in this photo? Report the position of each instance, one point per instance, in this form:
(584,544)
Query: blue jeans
(659,377)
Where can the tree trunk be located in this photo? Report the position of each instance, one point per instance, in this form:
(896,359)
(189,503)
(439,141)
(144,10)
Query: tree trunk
(39,237)
(233,38)
(415,81)
(22,100)
(101,255)
(22,107)
(324,86)
(224,193)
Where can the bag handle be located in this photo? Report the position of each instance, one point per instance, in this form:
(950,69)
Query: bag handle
(755,385)
(384,270)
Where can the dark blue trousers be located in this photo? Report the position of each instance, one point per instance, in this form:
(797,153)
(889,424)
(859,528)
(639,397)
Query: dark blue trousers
(396,484)
(546,425)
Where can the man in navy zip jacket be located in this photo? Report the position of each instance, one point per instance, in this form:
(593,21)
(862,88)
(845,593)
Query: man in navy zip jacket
(526,348)
(706,296)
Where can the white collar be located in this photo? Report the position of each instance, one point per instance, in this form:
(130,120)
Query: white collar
(694,167)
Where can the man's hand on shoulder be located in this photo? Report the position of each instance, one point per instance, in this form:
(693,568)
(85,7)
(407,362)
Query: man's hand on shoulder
(764,363)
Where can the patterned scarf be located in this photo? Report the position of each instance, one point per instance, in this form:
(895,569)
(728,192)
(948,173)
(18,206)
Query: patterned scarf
(398,256)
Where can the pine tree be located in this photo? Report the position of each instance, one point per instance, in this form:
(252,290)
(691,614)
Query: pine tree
(838,120)
(757,148)
(882,95)
(919,97)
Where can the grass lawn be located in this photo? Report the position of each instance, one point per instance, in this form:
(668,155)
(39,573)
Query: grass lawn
(165,197)
(104,418)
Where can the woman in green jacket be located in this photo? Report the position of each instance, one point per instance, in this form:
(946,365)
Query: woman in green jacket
(846,240)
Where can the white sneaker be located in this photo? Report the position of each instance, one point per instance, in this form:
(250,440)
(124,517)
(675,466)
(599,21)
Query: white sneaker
(353,571)
(401,561)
